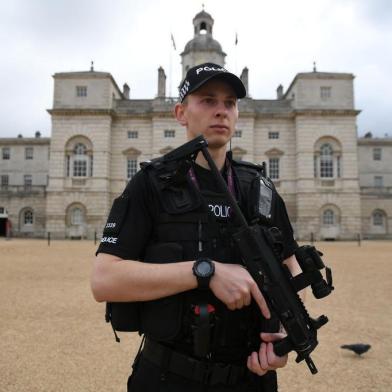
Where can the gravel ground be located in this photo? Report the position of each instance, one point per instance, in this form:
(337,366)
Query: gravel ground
(53,336)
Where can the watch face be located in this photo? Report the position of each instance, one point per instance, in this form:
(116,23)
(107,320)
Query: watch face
(204,268)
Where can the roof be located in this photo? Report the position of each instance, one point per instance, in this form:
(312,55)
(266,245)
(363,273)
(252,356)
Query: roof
(24,140)
(319,75)
(375,141)
(203,15)
(203,42)
(87,75)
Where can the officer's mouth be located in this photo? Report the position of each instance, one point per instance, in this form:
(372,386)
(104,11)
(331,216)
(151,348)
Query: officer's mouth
(219,128)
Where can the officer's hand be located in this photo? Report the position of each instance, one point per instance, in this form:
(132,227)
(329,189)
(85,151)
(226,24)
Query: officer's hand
(234,286)
(266,359)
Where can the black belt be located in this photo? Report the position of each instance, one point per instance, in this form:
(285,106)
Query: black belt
(209,373)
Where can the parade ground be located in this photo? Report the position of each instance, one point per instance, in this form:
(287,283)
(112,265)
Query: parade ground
(53,336)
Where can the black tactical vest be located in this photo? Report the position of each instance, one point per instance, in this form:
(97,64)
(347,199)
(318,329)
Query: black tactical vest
(185,229)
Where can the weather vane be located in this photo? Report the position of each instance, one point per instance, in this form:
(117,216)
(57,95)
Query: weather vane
(314,67)
(92,66)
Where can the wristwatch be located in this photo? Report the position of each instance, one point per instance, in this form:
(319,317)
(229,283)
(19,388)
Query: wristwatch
(203,269)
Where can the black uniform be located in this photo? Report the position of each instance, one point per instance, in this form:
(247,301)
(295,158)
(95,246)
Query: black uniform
(161,219)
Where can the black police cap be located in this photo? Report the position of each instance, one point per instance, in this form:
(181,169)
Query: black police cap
(202,73)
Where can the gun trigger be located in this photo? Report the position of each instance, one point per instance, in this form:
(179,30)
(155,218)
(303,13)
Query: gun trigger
(282,347)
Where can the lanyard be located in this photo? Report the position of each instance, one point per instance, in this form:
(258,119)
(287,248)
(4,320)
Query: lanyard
(230,180)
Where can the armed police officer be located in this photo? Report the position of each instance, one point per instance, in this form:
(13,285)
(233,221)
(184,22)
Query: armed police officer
(167,248)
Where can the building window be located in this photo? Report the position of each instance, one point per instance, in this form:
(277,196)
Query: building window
(80,168)
(325,93)
(328,218)
(169,133)
(274,168)
(378,218)
(6,153)
(273,135)
(237,133)
(81,91)
(326,161)
(28,180)
(29,152)
(80,159)
(131,168)
(28,217)
(377,154)
(77,216)
(378,181)
(133,134)
(4,181)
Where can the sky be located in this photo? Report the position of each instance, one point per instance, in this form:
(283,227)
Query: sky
(131,38)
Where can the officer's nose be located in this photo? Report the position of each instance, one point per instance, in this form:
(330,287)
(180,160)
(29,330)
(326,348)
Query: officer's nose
(221,110)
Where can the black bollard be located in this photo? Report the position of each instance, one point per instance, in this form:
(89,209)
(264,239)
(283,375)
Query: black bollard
(48,238)
(95,238)
(359,239)
(311,237)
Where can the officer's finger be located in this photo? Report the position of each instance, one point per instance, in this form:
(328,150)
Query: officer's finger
(274,360)
(254,365)
(239,304)
(260,300)
(247,300)
(272,337)
(263,356)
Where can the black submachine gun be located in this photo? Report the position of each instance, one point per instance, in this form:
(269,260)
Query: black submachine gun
(257,245)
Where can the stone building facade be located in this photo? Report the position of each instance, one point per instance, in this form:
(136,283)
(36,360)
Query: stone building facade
(375,179)
(307,136)
(24,164)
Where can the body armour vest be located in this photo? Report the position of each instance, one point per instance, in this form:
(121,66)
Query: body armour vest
(186,229)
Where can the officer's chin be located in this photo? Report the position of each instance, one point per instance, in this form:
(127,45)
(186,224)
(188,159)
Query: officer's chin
(216,142)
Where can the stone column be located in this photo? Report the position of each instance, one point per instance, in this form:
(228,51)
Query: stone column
(245,79)
(161,83)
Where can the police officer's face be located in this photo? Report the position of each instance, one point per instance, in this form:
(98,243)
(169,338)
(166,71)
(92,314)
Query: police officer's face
(211,111)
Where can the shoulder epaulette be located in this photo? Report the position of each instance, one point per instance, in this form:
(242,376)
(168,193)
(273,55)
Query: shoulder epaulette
(255,166)
(152,162)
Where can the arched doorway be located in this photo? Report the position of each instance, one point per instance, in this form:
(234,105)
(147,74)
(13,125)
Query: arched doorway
(76,221)
(3,222)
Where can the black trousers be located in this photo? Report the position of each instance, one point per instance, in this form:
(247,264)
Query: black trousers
(147,377)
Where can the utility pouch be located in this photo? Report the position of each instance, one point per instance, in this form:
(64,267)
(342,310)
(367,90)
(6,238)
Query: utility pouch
(124,316)
(161,319)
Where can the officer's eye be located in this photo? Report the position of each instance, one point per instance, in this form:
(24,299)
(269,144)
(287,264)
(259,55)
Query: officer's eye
(209,100)
(230,103)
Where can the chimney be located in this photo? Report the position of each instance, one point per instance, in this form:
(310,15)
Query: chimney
(245,78)
(37,134)
(20,136)
(279,92)
(126,91)
(161,83)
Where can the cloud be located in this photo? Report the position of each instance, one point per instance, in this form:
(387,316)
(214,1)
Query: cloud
(131,39)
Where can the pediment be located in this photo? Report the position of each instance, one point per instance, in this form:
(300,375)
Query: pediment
(274,152)
(238,151)
(132,151)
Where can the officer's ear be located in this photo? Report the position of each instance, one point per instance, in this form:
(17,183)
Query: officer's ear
(179,113)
